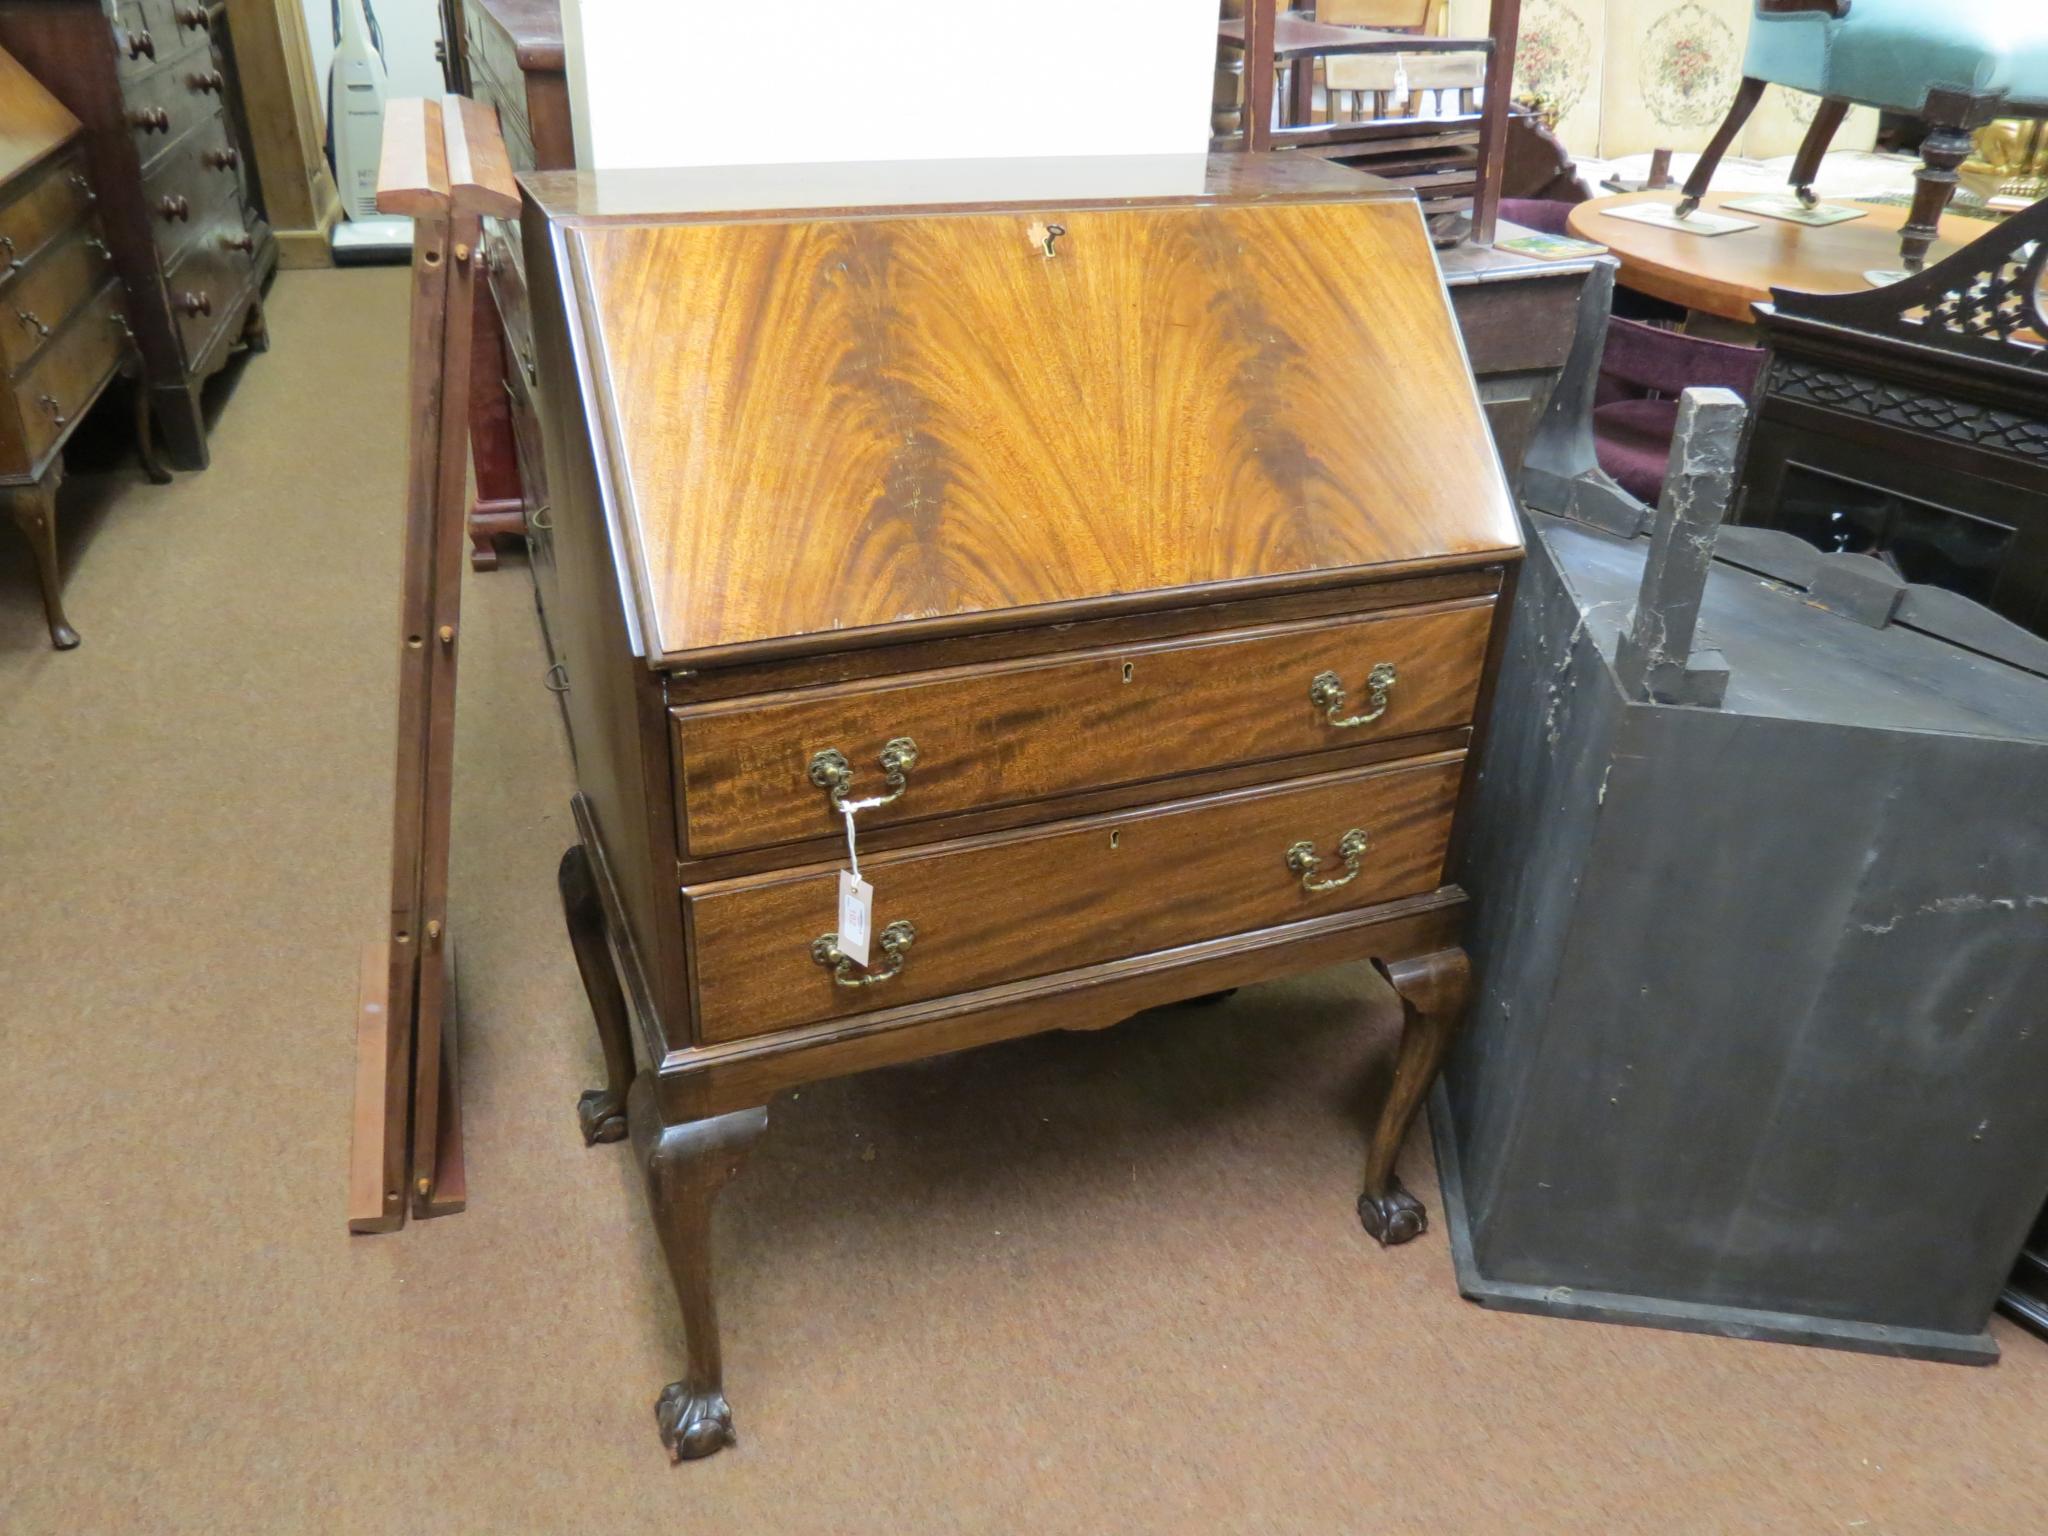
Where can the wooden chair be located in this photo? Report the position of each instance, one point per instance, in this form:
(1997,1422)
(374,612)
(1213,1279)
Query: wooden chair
(1369,87)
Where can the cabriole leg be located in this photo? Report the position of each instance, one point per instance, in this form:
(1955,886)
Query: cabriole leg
(602,1111)
(1747,95)
(34,509)
(1432,990)
(1827,118)
(686,1166)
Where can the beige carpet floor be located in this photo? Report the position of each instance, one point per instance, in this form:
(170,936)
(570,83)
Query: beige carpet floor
(1089,1283)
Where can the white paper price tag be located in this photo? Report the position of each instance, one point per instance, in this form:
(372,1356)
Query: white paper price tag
(856,916)
(1400,76)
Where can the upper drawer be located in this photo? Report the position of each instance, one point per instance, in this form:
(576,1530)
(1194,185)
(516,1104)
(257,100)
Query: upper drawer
(988,910)
(63,380)
(748,770)
(61,279)
(57,199)
(163,107)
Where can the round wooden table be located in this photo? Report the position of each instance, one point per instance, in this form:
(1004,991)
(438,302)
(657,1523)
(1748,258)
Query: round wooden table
(1724,274)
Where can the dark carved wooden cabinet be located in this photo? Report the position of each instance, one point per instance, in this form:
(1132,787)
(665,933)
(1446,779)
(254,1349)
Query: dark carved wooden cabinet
(1128,564)
(153,83)
(1911,422)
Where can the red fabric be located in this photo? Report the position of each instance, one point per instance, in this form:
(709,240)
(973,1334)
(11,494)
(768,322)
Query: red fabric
(1633,440)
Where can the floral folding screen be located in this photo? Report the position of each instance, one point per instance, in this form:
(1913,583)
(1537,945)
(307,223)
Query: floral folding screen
(1625,76)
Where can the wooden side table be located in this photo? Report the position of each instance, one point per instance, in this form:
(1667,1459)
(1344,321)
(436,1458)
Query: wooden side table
(64,331)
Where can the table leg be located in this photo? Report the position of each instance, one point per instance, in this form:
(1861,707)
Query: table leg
(34,509)
(1432,989)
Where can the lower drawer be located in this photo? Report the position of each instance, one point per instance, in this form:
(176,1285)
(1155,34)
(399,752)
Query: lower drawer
(1050,898)
(63,278)
(70,370)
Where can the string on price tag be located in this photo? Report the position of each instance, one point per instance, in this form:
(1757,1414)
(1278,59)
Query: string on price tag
(856,896)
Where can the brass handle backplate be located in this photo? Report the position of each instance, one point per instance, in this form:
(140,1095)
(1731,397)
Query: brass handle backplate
(1326,692)
(831,772)
(1303,859)
(894,941)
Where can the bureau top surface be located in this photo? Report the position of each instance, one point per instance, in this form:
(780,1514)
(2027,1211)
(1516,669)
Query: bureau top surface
(892,407)
(32,121)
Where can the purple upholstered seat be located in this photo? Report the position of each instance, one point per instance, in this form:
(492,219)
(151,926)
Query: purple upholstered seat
(1540,214)
(1642,373)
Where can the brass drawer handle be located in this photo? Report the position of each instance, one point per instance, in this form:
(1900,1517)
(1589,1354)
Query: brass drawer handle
(77,179)
(52,409)
(831,772)
(30,320)
(14,262)
(1326,692)
(894,939)
(1303,859)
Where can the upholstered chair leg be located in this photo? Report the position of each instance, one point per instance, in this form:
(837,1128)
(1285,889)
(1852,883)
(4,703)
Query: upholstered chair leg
(1747,95)
(1814,147)
(1934,184)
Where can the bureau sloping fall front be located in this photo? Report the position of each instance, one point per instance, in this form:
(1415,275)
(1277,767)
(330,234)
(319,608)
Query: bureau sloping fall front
(1128,529)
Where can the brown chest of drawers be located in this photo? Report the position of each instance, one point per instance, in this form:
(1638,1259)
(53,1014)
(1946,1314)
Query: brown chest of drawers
(64,330)
(512,58)
(152,82)
(1129,563)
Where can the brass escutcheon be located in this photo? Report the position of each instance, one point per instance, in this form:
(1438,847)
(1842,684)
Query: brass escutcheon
(831,772)
(1303,859)
(1326,692)
(894,941)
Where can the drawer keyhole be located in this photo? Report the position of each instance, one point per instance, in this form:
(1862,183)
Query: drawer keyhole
(1127,671)
(1115,838)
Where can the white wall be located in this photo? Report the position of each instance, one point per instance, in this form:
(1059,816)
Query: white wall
(737,82)
(410,29)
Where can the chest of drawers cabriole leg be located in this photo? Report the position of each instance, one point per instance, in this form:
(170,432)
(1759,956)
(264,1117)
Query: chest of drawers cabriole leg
(1140,553)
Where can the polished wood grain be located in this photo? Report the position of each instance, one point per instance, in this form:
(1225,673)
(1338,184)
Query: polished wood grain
(45,206)
(479,175)
(412,163)
(1725,275)
(993,736)
(33,123)
(932,418)
(58,282)
(1032,902)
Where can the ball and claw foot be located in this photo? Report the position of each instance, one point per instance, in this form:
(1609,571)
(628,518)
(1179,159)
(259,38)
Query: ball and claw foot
(602,1114)
(693,1425)
(1395,1217)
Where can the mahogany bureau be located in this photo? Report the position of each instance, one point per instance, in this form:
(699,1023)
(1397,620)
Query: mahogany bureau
(1120,541)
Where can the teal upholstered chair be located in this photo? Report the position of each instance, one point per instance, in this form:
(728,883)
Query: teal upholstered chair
(1955,63)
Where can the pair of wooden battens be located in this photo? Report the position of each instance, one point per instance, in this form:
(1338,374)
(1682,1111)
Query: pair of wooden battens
(443,164)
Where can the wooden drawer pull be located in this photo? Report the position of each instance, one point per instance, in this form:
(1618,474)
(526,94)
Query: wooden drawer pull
(831,772)
(224,159)
(1326,692)
(243,242)
(895,940)
(1303,859)
(178,207)
(196,304)
(195,17)
(29,319)
(209,83)
(151,119)
(141,44)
